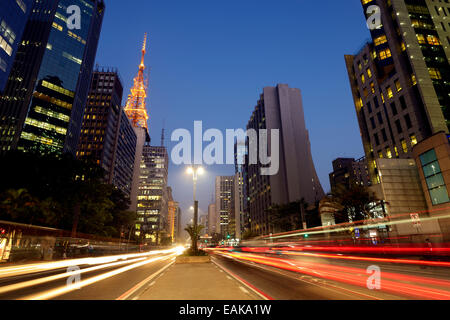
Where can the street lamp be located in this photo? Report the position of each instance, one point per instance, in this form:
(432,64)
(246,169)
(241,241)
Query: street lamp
(195,171)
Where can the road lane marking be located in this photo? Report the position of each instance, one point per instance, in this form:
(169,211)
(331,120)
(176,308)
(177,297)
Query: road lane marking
(127,294)
(242,281)
(308,279)
(49,294)
(243,289)
(35,282)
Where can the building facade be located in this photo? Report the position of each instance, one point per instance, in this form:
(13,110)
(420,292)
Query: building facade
(152,199)
(13,18)
(401,80)
(280,108)
(224,200)
(179,226)
(107,137)
(237,206)
(42,107)
(125,152)
(212,219)
(349,172)
(405,204)
(203,221)
(432,157)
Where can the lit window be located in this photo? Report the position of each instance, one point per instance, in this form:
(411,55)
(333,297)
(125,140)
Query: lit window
(421,39)
(433,40)
(435,73)
(404,146)
(389,153)
(413,140)
(5,46)
(380,40)
(398,86)
(384,54)
(390,93)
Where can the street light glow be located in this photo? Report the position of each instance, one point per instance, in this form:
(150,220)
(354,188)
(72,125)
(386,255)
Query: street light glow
(190,170)
(200,170)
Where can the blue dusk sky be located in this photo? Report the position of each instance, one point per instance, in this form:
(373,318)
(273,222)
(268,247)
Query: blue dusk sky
(210,60)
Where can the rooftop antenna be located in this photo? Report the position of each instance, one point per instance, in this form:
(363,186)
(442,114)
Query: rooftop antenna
(163,133)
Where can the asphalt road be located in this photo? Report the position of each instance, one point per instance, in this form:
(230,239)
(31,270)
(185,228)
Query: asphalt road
(99,281)
(397,281)
(276,276)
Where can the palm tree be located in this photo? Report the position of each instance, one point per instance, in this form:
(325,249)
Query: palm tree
(194,233)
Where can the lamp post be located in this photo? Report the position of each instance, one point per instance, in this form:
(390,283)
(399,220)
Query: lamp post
(195,171)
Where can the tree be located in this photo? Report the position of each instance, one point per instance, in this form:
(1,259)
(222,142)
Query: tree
(357,203)
(61,192)
(287,217)
(194,233)
(15,205)
(248,234)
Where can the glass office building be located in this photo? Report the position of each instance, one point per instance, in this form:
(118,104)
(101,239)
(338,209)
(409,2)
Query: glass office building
(13,18)
(43,104)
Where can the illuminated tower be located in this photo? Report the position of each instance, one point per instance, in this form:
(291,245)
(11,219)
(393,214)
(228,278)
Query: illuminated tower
(136,106)
(136,111)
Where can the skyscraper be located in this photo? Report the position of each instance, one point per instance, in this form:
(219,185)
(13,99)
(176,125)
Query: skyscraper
(13,18)
(240,192)
(172,208)
(152,206)
(401,80)
(43,103)
(107,135)
(224,199)
(237,206)
(281,108)
(124,158)
(179,229)
(349,172)
(212,219)
(136,110)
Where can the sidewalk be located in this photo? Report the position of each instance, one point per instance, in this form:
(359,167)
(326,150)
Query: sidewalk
(196,281)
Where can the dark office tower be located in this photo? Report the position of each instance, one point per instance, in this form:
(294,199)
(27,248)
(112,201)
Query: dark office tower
(239,192)
(348,172)
(281,108)
(125,151)
(401,80)
(152,199)
(107,135)
(13,18)
(43,104)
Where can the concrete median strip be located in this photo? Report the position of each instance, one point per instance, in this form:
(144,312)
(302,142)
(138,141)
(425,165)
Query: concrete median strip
(141,284)
(196,281)
(242,281)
